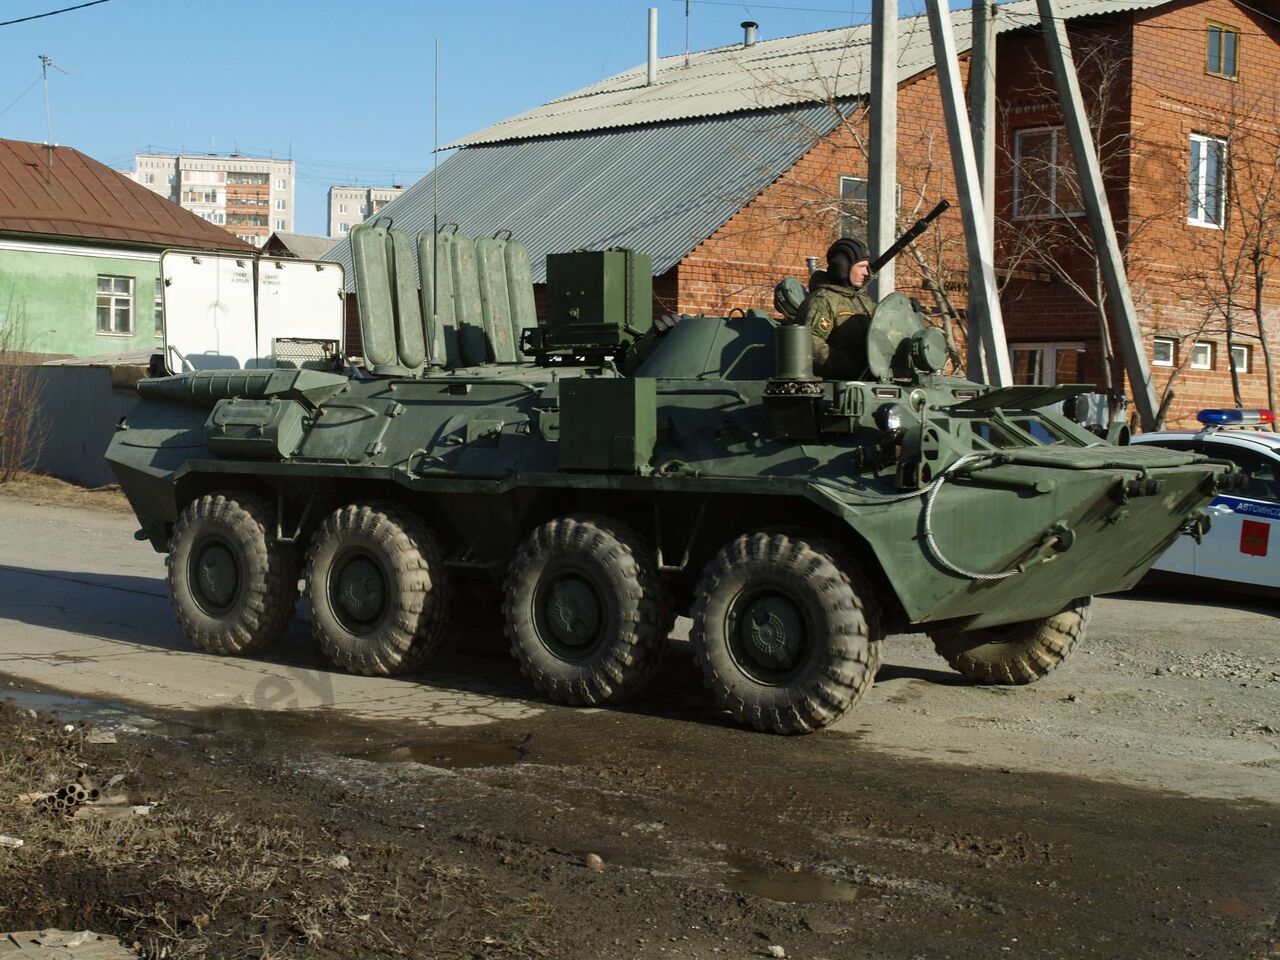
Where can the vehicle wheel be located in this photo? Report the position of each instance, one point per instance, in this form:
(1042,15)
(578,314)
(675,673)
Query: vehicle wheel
(1016,653)
(378,590)
(586,612)
(232,584)
(785,632)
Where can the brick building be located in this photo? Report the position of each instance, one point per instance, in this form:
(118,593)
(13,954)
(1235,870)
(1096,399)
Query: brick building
(740,162)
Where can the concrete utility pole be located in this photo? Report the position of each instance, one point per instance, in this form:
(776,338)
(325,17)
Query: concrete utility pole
(882,179)
(1124,319)
(982,119)
(984,298)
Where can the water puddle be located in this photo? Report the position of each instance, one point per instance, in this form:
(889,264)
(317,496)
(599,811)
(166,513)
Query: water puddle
(785,886)
(450,756)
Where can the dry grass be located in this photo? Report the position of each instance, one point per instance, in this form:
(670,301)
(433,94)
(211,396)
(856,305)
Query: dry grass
(44,490)
(188,881)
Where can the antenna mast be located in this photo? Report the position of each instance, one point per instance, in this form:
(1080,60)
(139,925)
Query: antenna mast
(45,63)
(435,217)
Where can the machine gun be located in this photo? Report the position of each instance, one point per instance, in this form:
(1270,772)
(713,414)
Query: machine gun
(907,238)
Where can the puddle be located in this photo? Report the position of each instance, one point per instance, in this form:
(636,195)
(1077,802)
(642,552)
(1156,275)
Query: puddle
(102,713)
(450,756)
(784,886)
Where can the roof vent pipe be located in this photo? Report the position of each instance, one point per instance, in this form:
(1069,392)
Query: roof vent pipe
(748,32)
(653,47)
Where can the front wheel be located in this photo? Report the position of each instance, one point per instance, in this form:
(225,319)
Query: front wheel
(785,632)
(1017,653)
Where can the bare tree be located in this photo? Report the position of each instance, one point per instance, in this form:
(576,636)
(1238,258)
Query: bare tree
(22,432)
(1233,283)
(1045,230)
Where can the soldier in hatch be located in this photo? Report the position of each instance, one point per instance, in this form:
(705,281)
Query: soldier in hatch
(838,312)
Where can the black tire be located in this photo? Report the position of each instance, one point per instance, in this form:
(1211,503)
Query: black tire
(805,587)
(233,586)
(586,612)
(378,591)
(1018,653)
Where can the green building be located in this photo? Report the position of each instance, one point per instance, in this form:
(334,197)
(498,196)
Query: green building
(80,249)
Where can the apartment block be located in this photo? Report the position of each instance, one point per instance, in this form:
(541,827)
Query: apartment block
(351,205)
(249,197)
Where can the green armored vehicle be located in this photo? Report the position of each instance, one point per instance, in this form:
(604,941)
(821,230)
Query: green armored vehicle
(609,473)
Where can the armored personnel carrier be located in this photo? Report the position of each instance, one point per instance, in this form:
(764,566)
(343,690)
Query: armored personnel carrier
(608,473)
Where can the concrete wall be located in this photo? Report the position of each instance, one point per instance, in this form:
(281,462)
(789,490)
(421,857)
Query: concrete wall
(80,409)
(55,288)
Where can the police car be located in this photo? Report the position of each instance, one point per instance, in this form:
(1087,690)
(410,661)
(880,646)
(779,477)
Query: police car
(1243,544)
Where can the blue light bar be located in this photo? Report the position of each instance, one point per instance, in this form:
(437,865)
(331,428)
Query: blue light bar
(1235,417)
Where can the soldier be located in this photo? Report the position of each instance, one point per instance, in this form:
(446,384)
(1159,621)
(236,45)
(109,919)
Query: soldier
(838,312)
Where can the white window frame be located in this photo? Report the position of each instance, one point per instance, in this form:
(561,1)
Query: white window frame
(280,204)
(1173,351)
(1196,218)
(1196,364)
(159,307)
(344,228)
(281,184)
(342,208)
(280,224)
(1244,351)
(1049,355)
(115,299)
(1056,210)
(148,178)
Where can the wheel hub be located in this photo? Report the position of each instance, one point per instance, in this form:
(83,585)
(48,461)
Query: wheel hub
(573,612)
(772,631)
(217,576)
(361,590)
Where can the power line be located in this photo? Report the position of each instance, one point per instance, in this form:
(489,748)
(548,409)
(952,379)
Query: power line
(20,96)
(765,6)
(52,13)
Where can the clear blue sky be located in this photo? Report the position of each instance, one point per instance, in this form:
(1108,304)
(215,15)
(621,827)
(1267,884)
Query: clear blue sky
(343,88)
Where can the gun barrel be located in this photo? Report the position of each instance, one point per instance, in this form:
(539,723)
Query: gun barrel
(914,231)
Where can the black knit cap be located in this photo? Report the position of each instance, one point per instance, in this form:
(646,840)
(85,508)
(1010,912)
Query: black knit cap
(842,255)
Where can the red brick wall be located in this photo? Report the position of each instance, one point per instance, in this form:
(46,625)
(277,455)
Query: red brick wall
(1160,93)
(798,215)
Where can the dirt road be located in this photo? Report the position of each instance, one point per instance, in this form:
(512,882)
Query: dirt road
(1123,807)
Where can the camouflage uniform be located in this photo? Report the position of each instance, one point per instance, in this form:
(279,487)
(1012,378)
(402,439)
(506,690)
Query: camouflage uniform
(837,316)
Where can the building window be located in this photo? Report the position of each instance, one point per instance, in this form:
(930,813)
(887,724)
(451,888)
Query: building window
(279,204)
(1044,177)
(148,178)
(279,224)
(1163,351)
(1239,358)
(1224,42)
(1047,364)
(1207,183)
(280,184)
(364,209)
(1202,356)
(853,206)
(159,306)
(115,305)
(342,208)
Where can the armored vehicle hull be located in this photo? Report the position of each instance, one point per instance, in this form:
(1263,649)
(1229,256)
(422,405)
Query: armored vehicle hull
(797,528)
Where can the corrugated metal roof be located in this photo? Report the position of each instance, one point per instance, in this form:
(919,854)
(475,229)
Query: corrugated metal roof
(661,189)
(808,68)
(302,245)
(62,192)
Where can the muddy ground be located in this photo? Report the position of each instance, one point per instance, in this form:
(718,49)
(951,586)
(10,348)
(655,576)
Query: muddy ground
(1124,807)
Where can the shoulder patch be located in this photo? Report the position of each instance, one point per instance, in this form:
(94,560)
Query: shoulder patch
(822,325)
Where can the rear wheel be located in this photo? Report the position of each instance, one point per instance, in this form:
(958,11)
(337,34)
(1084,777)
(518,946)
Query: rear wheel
(1017,653)
(586,612)
(785,632)
(378,591)
(232,584)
